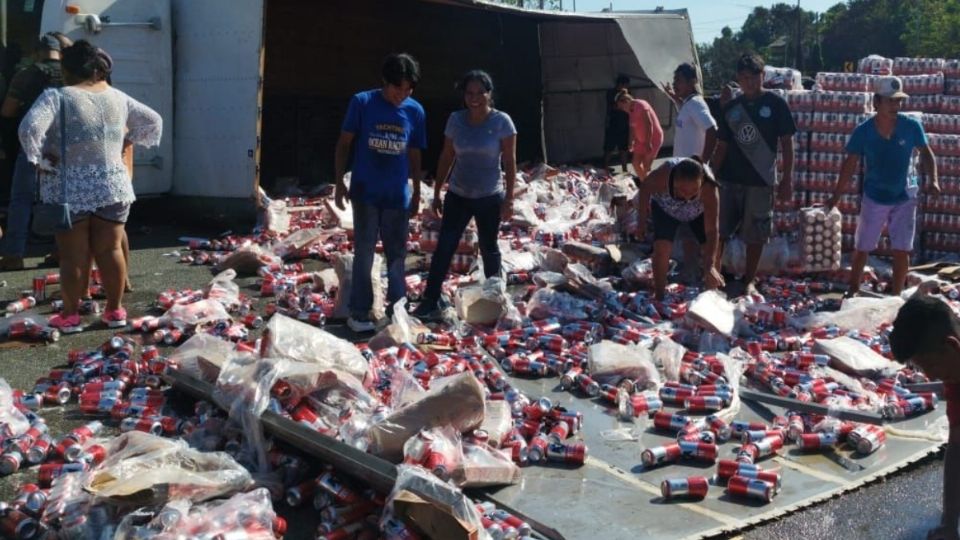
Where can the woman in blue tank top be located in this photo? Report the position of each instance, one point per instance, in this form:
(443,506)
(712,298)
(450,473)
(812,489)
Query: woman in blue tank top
(682,190)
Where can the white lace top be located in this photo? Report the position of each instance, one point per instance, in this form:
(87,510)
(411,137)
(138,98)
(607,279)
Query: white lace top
(97,125)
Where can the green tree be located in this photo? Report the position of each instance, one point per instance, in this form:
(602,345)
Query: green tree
(933,29)
(858,28)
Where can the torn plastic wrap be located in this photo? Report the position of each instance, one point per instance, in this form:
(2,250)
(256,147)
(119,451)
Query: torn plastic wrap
(343,265)
(734,258)
(712,310)
(73,512)
(457,403)
(188,315)
(245,515)
(863,314)
(224,289)
(547,303)
(417,489)
(485,304)
(854,358)
(244,388)
(299,240)
(248,259)
(497,420)
(277,217)
(668,355)
(437,449)
(483,466)
(144,469)
(202,356)
(12,422)
(288,338)
(610,362)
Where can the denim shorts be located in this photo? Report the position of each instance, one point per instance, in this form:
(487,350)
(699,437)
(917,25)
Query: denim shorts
(116,212)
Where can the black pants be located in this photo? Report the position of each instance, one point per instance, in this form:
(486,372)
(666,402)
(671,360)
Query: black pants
(457,212)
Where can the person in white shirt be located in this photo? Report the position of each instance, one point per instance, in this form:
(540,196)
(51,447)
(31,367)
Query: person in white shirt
(695,133)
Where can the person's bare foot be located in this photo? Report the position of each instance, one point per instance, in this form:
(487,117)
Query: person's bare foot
(127,287)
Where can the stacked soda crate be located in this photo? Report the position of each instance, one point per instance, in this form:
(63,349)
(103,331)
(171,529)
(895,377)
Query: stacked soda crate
(838,107)
(933,85)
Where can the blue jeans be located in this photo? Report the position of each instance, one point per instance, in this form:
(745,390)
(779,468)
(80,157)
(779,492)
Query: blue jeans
(23,192)
(391,226)
(457,212)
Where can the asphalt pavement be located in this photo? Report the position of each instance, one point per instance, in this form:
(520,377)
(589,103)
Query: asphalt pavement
(902,506)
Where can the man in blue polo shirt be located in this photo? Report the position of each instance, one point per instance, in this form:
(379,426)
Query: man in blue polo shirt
(887,142)
(386,128)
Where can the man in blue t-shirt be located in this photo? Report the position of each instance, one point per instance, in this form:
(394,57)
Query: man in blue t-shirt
(887,142)
(386,128)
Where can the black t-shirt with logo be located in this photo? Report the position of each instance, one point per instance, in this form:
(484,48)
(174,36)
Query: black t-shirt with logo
(767,119)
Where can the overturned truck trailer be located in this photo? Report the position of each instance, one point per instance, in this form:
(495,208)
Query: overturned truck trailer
(252,91)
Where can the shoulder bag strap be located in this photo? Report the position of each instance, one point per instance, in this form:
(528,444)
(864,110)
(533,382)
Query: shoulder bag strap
(63,148)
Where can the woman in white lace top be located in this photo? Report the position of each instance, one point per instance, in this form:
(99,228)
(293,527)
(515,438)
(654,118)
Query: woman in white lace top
(99,120)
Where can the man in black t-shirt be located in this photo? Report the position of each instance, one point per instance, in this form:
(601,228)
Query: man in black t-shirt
(750,129)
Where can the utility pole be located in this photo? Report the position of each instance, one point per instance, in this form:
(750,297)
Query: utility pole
(798,61)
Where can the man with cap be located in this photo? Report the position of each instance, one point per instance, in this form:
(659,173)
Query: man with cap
(695,131)
(889,142)
(24,89)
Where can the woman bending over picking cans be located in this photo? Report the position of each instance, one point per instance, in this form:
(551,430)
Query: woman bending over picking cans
(682,190)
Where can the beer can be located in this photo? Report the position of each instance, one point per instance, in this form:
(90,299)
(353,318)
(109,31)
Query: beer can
(659,455)
(751,488)
(694,487)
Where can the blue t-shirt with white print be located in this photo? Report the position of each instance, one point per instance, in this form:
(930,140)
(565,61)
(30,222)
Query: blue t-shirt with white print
(383,135)
(891,175)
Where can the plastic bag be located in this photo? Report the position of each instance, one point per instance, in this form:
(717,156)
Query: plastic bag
(187,315)
(202,356)
(415,485)
(146,469)
(12,421)
(404,389)
(344,268)
(776,254)
(863,314)
(247,515)
(668,355)
(224,289)
(517,261)
(734,259)
(610,362)
(288,338)
(299,240)
(437,449)
(547,303)
(277,217)
(713,311)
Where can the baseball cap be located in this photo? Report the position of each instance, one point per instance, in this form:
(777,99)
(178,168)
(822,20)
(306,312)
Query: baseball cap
(889,87)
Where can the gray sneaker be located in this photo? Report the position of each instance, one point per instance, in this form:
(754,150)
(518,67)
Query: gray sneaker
(361,325)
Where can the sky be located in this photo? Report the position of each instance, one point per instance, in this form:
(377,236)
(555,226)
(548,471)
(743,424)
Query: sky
(707,17)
